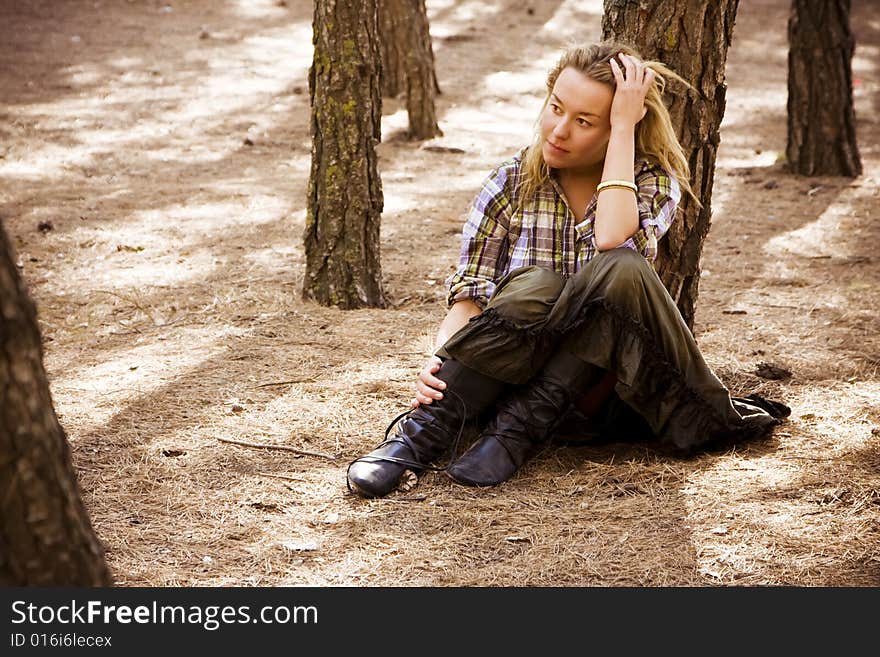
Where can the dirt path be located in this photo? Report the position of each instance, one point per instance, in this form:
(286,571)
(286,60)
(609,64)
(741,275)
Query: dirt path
(164,150)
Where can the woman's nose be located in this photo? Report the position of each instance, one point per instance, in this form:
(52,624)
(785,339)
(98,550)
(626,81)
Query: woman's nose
(560,130)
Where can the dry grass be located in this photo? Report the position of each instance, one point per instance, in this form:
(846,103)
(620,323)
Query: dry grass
(154,354)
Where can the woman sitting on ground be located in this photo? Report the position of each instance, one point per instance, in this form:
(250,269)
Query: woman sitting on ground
(555,295)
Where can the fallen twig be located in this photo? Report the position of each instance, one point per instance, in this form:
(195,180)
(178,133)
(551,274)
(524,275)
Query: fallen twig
(277,476)
(285,448)
(285,383)
(777,305)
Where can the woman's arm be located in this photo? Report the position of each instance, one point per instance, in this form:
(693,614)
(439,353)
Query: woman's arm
(481,262)
(617,210)
(458,316)
(428,386)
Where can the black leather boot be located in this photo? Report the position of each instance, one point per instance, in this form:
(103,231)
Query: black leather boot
(422,435)
(524,420)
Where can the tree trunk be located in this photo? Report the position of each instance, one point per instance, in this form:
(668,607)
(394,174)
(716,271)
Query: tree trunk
(691,37)
(46,538)
(345,192)
(393,77)
(411,33)
(821,118)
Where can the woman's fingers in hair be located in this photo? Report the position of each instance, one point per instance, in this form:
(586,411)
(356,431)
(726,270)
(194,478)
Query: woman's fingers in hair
(632,70)
(616,70)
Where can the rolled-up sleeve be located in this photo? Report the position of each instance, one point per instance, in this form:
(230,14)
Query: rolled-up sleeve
(484,241)
(659,196)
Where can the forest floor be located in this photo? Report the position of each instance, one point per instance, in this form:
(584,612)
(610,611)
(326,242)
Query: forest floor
(154,159)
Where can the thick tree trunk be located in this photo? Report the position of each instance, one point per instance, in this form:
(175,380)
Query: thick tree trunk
(46,538)
(821,118)
(412,37)
(345,192)
(692,37)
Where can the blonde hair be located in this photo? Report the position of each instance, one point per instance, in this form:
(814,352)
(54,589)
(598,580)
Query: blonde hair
(655,137)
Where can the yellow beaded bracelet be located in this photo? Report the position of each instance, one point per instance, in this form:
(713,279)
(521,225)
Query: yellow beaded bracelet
(621,184)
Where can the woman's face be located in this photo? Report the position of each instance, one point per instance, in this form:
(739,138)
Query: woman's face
(575,124)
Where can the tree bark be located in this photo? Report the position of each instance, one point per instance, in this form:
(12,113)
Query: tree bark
(692,37)
(412,37)
(46,538)
(393,76)
(345,192)
(821,117)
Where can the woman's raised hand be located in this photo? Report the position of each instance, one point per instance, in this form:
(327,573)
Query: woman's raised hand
(634,79)
(428,386)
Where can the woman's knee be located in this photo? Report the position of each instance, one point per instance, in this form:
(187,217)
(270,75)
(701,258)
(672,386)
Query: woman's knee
(623,257)
(527,294)
(625,270)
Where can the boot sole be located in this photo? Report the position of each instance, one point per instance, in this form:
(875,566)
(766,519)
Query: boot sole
(471,483)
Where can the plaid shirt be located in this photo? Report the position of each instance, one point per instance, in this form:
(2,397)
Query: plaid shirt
(499,237)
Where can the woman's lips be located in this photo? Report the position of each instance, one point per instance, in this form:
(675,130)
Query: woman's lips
(555,148)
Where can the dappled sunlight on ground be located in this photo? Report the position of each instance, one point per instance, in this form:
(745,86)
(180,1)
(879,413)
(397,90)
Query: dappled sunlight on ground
(575,21)
(156,164)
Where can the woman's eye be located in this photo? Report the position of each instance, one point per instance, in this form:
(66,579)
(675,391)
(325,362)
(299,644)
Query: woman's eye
(555,108)
(583,122)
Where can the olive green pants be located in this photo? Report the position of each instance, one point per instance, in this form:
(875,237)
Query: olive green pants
(615,313)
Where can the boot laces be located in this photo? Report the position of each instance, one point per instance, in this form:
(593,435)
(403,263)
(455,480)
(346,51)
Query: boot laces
(400,438)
